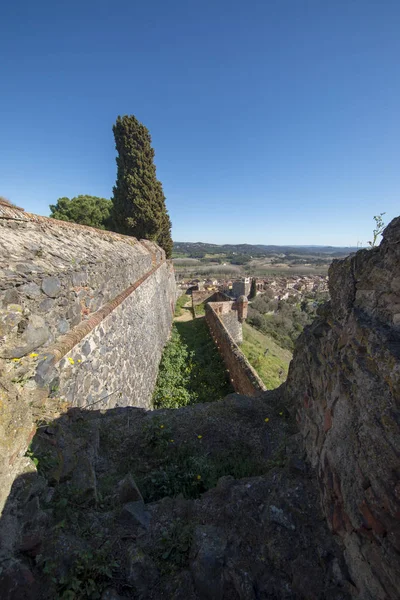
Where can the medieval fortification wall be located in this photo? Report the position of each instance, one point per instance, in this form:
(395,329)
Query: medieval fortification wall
(84,317)
(224,320)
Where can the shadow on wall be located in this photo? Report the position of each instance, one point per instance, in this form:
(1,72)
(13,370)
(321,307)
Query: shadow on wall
(55,526)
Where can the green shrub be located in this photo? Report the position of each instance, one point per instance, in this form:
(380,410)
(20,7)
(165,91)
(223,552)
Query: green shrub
(171,389)
(88,576)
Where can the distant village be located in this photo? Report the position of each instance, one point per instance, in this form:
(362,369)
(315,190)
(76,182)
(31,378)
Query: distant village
(279,288)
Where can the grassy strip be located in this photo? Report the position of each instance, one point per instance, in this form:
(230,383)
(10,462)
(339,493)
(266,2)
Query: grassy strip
(269,360)
(191,370)
(180,303)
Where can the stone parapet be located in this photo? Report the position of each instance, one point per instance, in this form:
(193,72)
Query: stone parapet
(244,378)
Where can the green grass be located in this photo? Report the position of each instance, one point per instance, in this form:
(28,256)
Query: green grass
(180,303)
(271,367)
(209,379)
(200,309)
(191,369)
(179,254)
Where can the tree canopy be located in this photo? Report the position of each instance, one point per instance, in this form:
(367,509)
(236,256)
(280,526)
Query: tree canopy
(86,210)
(139,203)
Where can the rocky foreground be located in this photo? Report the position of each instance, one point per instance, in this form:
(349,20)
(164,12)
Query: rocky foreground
(213,501)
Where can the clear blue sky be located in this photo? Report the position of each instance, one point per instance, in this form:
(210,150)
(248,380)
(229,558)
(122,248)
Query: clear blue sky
(273,121)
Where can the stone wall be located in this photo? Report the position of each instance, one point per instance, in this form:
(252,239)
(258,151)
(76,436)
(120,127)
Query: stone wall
(243,377)
(84,317)
(344,382)
(116,364)
(76,296)
(54,274)
(228,314)
(200,296)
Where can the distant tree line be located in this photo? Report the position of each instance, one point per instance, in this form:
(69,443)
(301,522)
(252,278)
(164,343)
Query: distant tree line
(200,249)
(138,205)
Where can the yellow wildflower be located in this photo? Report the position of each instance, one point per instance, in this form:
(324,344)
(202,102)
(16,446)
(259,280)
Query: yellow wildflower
(266,419)
(79,360)
(199,436)
(71,360)
(198,477)
(16,359)
(33,355)
(172,441)
(281,413)
(161,426)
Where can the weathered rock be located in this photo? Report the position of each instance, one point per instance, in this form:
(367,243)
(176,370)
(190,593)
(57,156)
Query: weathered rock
(18,583)
(135,514)
(344,382)
(84,481)
(15,308)
(79,278)
(46,305)
(10,296)
(74,314)
(32,290)
(142,573)
(276,515)
(207,565)
(51,286)
(45,372)
(34,336)
(63,326)
(31,544)
(9,319)
(128,491)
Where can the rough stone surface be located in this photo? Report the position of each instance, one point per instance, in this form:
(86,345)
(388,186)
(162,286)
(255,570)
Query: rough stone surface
(60,274)
(224,330)
(128,491)
(65,271)
(209,546)
(116,364)
(199,540)
(51,286)
(121,343)
(344,381)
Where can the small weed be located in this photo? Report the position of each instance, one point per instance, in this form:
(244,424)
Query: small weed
(30,454)
(54,387)
(172,554)
(157,434)
(90,573)
(185,471)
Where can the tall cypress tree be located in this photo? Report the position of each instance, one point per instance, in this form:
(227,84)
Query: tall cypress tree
(139,203)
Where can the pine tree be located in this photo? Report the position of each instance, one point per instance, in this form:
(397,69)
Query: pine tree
(139,203)
(253,289)
(86,210)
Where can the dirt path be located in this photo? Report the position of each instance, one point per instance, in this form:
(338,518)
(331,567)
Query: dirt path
(187,314)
